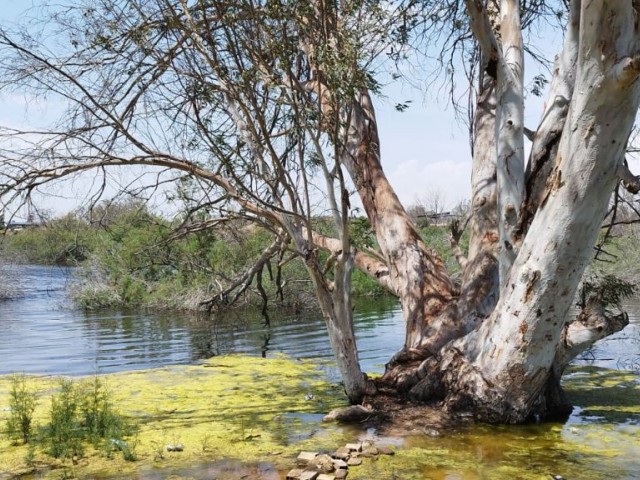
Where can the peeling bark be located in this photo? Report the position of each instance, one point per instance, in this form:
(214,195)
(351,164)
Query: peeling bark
(416,272)
(547,138)
(510,134)
(510,356)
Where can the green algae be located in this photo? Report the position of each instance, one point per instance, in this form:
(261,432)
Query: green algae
(228,407)
(241,417)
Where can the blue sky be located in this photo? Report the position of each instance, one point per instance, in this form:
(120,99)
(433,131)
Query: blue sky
(424,149)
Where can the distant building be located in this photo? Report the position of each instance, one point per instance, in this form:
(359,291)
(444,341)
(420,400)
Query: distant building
(438,219)
(17,226)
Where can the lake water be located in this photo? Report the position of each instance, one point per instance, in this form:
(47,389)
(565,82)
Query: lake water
(41,333)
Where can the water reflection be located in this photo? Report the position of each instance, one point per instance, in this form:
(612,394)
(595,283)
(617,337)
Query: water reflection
(44,334)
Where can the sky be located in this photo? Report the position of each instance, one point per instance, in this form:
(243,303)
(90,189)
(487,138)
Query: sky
(425,149)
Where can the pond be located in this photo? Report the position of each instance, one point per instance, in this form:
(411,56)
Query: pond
(42,334)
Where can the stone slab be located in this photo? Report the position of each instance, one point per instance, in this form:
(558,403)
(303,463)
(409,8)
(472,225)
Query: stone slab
(307,456)
(294,474)
(309,475)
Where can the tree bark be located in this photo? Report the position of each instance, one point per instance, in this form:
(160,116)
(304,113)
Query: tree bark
(416,272)
(508,360)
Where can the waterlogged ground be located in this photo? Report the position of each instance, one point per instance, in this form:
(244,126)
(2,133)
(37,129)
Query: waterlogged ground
(600,441)
(248,417)
(232,407)
(240,417)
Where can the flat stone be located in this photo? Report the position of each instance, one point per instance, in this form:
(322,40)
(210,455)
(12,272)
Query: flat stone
(354,447)
(337,463)
(306,457)
(324,463)
(354,462)
(309,475)
(370,452)
(432,432)
(354,413)
(343,453)
(341,474)
(325,476)
(294,474)
(384,450)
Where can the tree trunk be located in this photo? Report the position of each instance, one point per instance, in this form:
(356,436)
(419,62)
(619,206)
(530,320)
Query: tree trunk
(506,365)
(416,272)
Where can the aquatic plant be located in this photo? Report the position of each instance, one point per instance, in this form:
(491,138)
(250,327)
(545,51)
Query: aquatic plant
(22,402)
(62,433)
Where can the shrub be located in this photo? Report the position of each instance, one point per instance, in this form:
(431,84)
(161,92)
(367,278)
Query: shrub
(22,402)
(63,432)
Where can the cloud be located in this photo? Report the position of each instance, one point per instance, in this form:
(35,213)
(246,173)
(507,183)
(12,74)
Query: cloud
(414,178)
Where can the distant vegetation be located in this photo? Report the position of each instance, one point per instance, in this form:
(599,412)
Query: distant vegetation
(130,257)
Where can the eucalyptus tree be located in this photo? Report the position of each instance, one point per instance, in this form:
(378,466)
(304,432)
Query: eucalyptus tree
(267,107)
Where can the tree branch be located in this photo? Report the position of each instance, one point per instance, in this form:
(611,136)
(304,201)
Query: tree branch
(629,181)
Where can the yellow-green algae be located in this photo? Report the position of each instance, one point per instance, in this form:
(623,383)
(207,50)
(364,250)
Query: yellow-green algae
(256,411)
(229,407)
(600,441)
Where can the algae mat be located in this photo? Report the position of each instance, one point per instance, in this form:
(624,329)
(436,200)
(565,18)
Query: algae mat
(230,407)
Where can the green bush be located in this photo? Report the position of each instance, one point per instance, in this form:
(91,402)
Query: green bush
(22,402)
(84,413)
(63,433)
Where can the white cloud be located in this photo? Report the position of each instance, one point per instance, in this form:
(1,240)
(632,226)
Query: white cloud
(415,178)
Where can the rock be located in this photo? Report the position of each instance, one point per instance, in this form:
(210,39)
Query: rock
(370,452)
(324,463)
(306,457)
(309,475)
(175,448)
(354,413)
(354,447)
(294,474)
(324,476)
(341,474)
(432,432)
(339,464)
(343,453)
(354,462)
(119,444)
(384,450)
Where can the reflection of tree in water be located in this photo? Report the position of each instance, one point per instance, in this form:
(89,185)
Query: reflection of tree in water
(265,346)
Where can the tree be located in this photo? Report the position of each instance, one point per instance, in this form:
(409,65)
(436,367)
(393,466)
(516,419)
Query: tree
(266,105)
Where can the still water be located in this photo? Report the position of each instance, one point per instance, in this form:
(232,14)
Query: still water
(41,333)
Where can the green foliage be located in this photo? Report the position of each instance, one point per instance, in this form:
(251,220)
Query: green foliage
(63,433)
(22,402)
(67,240)
(98,418)
(84,412)
(437,238)
(607,290)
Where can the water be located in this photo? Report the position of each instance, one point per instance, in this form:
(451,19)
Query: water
(41,333)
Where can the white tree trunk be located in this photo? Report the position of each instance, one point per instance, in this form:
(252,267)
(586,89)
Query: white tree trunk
(511,354)
(509,134)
